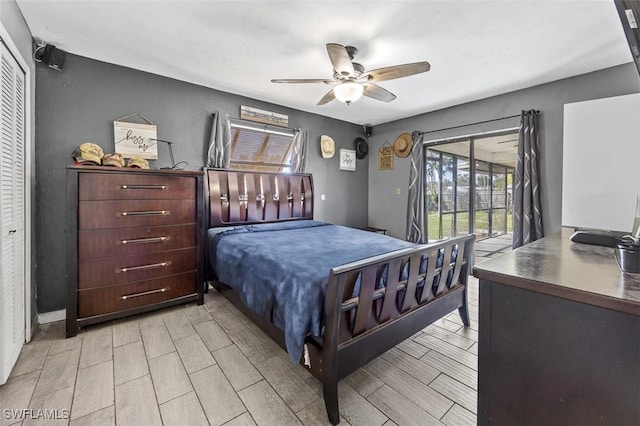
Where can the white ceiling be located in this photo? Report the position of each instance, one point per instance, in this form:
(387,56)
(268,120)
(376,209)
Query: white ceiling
(476,48)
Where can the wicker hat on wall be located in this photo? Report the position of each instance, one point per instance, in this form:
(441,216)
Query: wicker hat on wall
(327,146)
(403,144)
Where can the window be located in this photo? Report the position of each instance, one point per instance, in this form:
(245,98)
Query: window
(259,147)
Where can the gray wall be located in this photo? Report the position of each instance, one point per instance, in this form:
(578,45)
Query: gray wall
(388,210)
(80,104)
(14,23)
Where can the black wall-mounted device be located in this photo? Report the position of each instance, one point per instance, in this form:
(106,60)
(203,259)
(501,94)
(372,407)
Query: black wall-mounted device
(50,55)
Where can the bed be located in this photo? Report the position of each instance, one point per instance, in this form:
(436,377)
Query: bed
(334,297)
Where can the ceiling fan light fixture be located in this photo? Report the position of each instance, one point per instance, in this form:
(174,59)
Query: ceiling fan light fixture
(352,81)
(348,92)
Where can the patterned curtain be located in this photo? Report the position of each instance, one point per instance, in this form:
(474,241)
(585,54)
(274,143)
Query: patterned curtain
(527,212)
(416,229)
(299,153)
(219,141)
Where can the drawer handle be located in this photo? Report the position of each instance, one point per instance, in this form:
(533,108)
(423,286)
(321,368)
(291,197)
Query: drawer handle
(145,240)
(143,267)
(147,213)
(144,187)
(144,293)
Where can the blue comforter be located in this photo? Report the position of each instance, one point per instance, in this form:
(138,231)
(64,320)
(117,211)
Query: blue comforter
(281,270)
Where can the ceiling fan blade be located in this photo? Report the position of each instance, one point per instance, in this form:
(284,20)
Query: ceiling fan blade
(302,80)
(397,71)
(376,92)
(340,59)
(327,98)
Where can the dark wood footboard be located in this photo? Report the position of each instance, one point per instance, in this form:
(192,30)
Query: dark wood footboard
(359,327)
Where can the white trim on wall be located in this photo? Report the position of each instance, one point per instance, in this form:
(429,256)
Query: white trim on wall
(6,38)
(53,316)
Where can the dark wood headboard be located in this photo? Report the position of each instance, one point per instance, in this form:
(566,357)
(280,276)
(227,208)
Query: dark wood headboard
(244,197)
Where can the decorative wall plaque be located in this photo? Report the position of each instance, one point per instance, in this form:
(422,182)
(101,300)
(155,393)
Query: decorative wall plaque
(262,116)
(134,139)
(385,158)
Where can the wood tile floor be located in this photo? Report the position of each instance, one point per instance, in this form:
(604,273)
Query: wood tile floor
(487,248)
(192,365)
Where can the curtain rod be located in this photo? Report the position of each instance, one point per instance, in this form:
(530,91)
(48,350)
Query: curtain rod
(472,124)
(489,133)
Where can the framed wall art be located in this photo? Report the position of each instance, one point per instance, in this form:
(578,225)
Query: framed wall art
(348,159)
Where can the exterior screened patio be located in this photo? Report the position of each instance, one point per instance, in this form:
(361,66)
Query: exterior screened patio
(468,186)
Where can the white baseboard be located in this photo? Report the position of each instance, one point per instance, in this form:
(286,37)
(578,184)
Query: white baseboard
(53,316)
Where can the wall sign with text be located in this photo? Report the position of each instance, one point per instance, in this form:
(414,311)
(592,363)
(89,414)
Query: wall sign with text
(136,140)
(385,158)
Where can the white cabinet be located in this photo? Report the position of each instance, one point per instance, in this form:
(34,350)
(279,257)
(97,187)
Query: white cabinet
(12,211)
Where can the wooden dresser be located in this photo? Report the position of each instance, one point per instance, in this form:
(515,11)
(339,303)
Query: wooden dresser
(134,242)
(559,336)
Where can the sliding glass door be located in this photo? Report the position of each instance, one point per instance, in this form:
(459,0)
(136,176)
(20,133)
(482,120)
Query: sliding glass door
(469,186)
(493,202)
(448,189)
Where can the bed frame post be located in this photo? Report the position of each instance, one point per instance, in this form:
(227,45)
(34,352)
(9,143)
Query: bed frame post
(464,309)
(333,303)
(464,278)
(330,393)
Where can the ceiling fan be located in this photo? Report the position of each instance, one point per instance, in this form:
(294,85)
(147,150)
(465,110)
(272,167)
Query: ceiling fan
(351,79)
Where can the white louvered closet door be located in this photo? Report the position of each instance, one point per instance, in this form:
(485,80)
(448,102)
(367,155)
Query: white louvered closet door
(12,195)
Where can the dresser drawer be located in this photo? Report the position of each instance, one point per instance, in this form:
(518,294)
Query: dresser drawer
(129,214)
(125,241)
(108,271)
(128,296)
(134,186)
